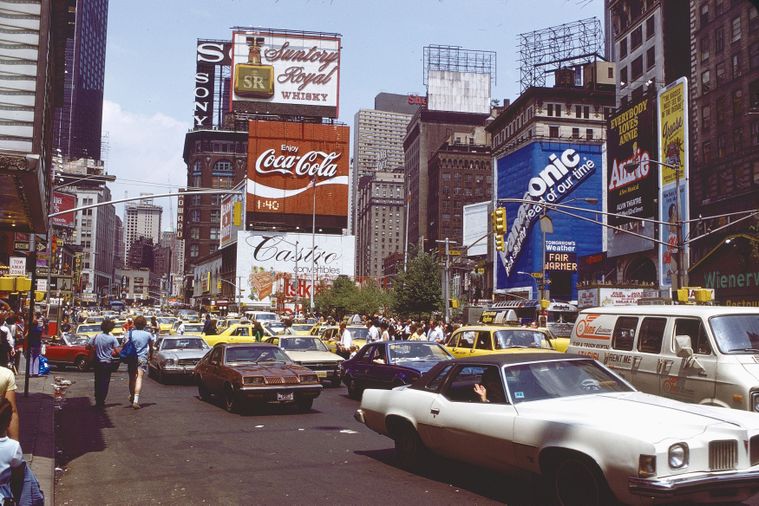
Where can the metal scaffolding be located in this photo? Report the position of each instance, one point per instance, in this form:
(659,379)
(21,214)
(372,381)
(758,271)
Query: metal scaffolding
(458,59)
(568,45)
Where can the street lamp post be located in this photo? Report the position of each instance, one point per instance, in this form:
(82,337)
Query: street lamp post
(446,274)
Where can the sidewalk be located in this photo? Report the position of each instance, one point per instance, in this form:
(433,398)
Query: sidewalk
(37,415)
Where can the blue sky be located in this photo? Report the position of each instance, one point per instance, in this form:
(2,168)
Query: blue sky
(150,61)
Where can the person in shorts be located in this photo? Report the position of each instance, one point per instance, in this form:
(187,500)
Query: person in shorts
(104,345)
(138,366)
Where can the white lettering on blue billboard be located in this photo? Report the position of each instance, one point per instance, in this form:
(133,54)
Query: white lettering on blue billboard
(558,179)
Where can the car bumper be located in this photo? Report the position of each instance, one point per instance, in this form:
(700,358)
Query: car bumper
(359,416)
(735,485)
(275,393)
(178,370)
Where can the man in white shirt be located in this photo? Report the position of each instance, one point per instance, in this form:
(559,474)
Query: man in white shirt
(374,334)
(436,332)
(346,340)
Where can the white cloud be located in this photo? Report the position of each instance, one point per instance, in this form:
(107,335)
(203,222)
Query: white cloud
(144,148)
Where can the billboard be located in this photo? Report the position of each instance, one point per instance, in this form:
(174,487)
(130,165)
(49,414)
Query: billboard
(232,213)
(62,202)
(213,61)
(594,297)
(265,260)
(458,91)
(672,103)
(286,72)
(296,171)
(553,172)
(475,233)
(632,181)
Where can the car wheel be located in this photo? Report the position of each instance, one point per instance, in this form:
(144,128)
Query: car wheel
(81,363)
(304,404)
(354,389)
(335,381)
(231,402)
(160,377)
(579,482)
(203,392)
(409,449)
(151,372)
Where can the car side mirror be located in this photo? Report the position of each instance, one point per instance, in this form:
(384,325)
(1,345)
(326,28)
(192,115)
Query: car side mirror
(683,346)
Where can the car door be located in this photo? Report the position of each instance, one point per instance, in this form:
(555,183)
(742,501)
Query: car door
(467,429)
(379,374)
(212,375)
(361,364)
(694,379)
(56,352)
(464,343)
(646,363)
(483,343)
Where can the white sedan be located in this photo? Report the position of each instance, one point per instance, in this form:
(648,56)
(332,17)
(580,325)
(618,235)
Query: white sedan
(586,430)
(310,352)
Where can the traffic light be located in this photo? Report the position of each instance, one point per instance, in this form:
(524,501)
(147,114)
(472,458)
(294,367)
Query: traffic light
(500,244)
(499,220)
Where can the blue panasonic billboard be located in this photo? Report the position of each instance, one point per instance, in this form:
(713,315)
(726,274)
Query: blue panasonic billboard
(557,173)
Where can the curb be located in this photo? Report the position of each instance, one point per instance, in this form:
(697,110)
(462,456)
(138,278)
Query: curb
(37,417)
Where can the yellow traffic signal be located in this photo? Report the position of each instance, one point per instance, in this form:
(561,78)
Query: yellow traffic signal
(499,220)
(500,244)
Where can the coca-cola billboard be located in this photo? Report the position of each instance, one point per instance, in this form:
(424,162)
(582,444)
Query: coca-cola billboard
(296,171)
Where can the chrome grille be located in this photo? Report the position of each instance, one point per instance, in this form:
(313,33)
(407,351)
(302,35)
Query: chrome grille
(754,446)
(723,455)
(280,380)
(321,366)
(187,361)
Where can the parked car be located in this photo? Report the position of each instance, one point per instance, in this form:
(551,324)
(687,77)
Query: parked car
(255,373)
(486,339)
(272,327)
(72,350)
(388,364)
(588,431)
(190,329)
(238,333)
(331,336)
(176,356)
(312,353)
(165,324)
(302,329)
(88,329)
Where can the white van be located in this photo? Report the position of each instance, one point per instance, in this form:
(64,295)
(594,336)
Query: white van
(701,354)
(262,316)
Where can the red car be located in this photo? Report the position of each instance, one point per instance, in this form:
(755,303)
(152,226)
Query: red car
(72,350)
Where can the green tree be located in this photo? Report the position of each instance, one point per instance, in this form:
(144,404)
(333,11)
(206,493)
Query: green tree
(416,292)
(338,299)
(370,298)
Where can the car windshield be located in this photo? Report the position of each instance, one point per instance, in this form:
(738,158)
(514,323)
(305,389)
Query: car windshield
(166,321)
(78,340)
(275,327)
(520,338)
(358,332)
(302,344)
(560,378)
(736,333)
(183,344)
(410,351)
(88,328)
(255,354)
(193,328)
(302,327)
(562,316)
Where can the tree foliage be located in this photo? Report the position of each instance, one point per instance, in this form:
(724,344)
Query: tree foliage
(417,292)
(345,298)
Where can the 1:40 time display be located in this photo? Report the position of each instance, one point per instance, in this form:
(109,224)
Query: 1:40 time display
(267,205)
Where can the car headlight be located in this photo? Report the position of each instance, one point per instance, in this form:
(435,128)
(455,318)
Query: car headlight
(755,401)
(253,380)
(647,466)
(309,378)
(169,361)
(678,455)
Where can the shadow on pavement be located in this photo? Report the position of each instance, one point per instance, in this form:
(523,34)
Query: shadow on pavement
(80,429)
(514,490)
(29,418)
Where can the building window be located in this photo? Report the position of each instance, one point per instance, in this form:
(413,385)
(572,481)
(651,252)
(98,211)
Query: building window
(721,146)
(755,133)
(719,6)
(194,233)
(720,108)
(636,68)
(736,29)
(753,55)
(589,133)
(215,216)
(557,110)
(575,133)
(636,38)
(704,14)
(736,65)
(623,77)
(586,112)
(197,168)
(650,27)
(623,47)
(753,96)
(223,168)
(195,216)
(706,151)
(737,140)
(705,49)
(705,82)
(753,19)
(650,58)
(553,131)
(194,250)
(578,111)
(706,118)
(213,234)
(737,103)
(721,72)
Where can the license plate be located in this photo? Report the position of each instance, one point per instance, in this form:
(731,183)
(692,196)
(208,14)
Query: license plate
(321,374)
(285,397)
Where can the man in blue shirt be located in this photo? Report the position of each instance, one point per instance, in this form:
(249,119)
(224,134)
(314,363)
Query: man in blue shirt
(104,344)
(143,343)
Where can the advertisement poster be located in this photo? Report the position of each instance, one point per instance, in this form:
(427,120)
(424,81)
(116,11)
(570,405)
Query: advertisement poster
(594,297)
(231,205)
(632,181)
(672,104)
(280,72)
(62,202)
(296,171)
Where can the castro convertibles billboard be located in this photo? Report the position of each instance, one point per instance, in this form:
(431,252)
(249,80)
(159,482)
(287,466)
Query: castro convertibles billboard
(296,170)
(557,173)
(286,72)
(632,182)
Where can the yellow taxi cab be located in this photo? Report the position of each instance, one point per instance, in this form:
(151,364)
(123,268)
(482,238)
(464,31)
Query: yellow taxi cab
(88,329)
(301,329)
(331,336)
(237,333)
(166,324)
(118,328)
(475,340)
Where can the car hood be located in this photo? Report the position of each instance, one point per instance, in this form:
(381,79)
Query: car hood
(313,356)
(421,366)
(182,353)
(272,370)
(751,363)
(639,415)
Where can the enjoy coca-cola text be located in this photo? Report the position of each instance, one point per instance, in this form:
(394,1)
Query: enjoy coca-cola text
(311,163)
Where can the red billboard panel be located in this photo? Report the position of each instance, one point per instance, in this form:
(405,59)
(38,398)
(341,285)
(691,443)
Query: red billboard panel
(63,202)
(296,171)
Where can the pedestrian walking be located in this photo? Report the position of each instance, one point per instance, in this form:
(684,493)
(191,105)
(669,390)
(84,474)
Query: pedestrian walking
(180,328)
(6,344)
(384,333)
(374,333)
(104,344)
(346,341)
(154,328)
(137,365)
(8,392)
(34,341)
(11,456)
(258,331)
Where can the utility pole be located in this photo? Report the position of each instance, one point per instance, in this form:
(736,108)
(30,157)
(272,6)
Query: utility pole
(446,281)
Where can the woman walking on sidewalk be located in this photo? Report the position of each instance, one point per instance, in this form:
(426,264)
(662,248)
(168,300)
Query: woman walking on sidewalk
(104,344)
(138,365)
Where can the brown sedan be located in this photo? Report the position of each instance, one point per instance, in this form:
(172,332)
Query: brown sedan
(255,373)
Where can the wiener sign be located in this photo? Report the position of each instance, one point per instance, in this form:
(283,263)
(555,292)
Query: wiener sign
(296,170)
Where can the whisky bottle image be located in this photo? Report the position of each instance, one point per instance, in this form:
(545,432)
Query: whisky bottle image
(252,79)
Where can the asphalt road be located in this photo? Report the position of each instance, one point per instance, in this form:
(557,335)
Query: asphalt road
(181,450)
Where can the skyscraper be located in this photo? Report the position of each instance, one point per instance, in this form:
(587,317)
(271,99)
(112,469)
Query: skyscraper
(143,219)
(78,122)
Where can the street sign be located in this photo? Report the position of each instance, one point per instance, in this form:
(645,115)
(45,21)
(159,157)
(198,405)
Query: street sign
(42,285)
(17,266)
(454,252)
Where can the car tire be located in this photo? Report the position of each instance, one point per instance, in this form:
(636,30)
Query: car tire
(304,404)
(81,363)
(151,372)
(203,392)
(335,381)
(354,389)
(160,377)
(578,481)
(231,401)
(409,449)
